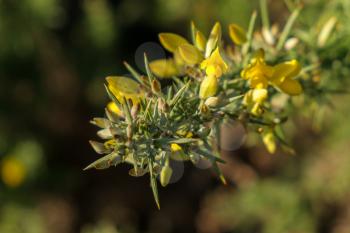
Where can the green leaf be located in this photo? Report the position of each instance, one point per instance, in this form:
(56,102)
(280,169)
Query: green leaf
(148,70)
(105,162)
(219,173)
(133,72)
(112,97)
(208,154)
(153,181)
(287,28)
(250,32)
(176,140)
(127,111)
(264,14)
(179,94)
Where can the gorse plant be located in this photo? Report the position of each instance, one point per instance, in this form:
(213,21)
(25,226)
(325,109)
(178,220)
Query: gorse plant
(147,125)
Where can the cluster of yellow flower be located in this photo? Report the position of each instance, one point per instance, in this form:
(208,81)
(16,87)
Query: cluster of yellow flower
(147,126)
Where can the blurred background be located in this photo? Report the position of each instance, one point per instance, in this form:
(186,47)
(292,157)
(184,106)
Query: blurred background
(54,56)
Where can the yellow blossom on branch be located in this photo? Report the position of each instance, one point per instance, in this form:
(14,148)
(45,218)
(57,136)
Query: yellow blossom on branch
(281,76)
(215,64)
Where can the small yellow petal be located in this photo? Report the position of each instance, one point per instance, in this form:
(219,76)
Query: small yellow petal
(175,147)
(258,82)
(171,41)
(200,41)
(287,69)
(290,87)
(179,62)
(269,141)
(190,54)
(209,87)
(213,40)
(237,34)
(164,68)
(124,87)
(189,135)
(259,95)
(213,70)
(112,107)
(256,110)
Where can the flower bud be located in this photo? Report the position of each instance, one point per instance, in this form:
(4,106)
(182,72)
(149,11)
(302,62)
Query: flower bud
(208,87)
(291,43)
(190,54)
(213,40)
(200,41)
(237,34)
(162,105)
(212,101)
(165,175)
(156,87)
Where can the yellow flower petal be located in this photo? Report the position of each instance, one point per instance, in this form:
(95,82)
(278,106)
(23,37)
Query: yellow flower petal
(200,41)
(124,87)
(213,40)
(189,135)
(175,147)
(208,87)
(190,54)
(290,87)
(178,58)
(164,68)
(259,95)
(256,110)
(237,34)
(258,82)
(269,141)
(112,107)
(286,69)
(171,41)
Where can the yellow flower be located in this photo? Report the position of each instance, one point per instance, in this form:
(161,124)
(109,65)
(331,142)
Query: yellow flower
(260,75)
(164,68)
(257,72)
(176,152)
(124,87)
(209,87)
(215,64)
(283,75)
(237,34)
(184,54)
(13,172)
